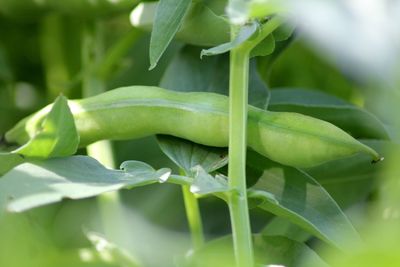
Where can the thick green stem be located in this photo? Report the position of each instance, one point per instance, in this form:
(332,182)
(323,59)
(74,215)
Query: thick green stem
(194,217)
(238,207)
(92,53)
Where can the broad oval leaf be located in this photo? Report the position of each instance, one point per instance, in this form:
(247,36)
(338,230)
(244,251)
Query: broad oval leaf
(169,17)
(301,200)
(358,122)
(38,183)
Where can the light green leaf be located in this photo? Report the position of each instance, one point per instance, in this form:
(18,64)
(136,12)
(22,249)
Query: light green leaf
(210,74)
(358,122)
(268,250)
(240,11)
(205,183)
(57,137)
(243,35)
(38,183)
(111,251)
(302,201)
(284,32)
(195,29)
(168,18)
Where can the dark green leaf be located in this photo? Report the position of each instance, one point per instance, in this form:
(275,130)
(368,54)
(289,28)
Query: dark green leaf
(268,250)
(301,200)
(283,32)
(264,48)
(57,137)
(9,161)
(352,179)
(187,155)
(168,19)
(211,74)
(358,122)
(243,35)
(39,183)
(283,227)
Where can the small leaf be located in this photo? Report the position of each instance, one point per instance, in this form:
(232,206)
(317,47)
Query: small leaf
(169,17)
(205,183)
(358,122)
(188,155)
(264,48)
(57,137)
(42,182)
(243,35)
(284,32)
(302,201)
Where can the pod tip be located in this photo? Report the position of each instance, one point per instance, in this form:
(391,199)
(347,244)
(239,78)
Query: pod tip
(379,159)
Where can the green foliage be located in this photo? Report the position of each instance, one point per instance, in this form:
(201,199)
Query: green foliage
(265,172)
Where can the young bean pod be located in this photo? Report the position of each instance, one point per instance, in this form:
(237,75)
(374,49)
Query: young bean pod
(137,111)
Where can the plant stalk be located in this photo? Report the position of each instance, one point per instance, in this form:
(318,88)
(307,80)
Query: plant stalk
(92,54)
(238,207)
(194,217)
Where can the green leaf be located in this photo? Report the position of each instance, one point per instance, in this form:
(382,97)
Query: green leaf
(245,33)
(301,200)
(168,19)
(57,137)
(205,183)
(358,122)
(268,250)
(187,155)
(264,48)
(283,227)
(111,251)
(9,161)
(38,183)
(352,179)
(240,11)
(284,32)
(195,29)
(210,74)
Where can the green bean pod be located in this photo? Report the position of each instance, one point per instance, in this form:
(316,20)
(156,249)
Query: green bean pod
(137,111)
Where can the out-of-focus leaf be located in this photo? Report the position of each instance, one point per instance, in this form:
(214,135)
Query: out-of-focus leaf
(264,48)
(195,29)
(284,32)
(301,200)
(243,35)
(358,122)
(9,161)
(168,19)
(39,183)
(283,227)
(57,137)
(210,74)
(268,250)
(187,155)
(111,251)
(240,11)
